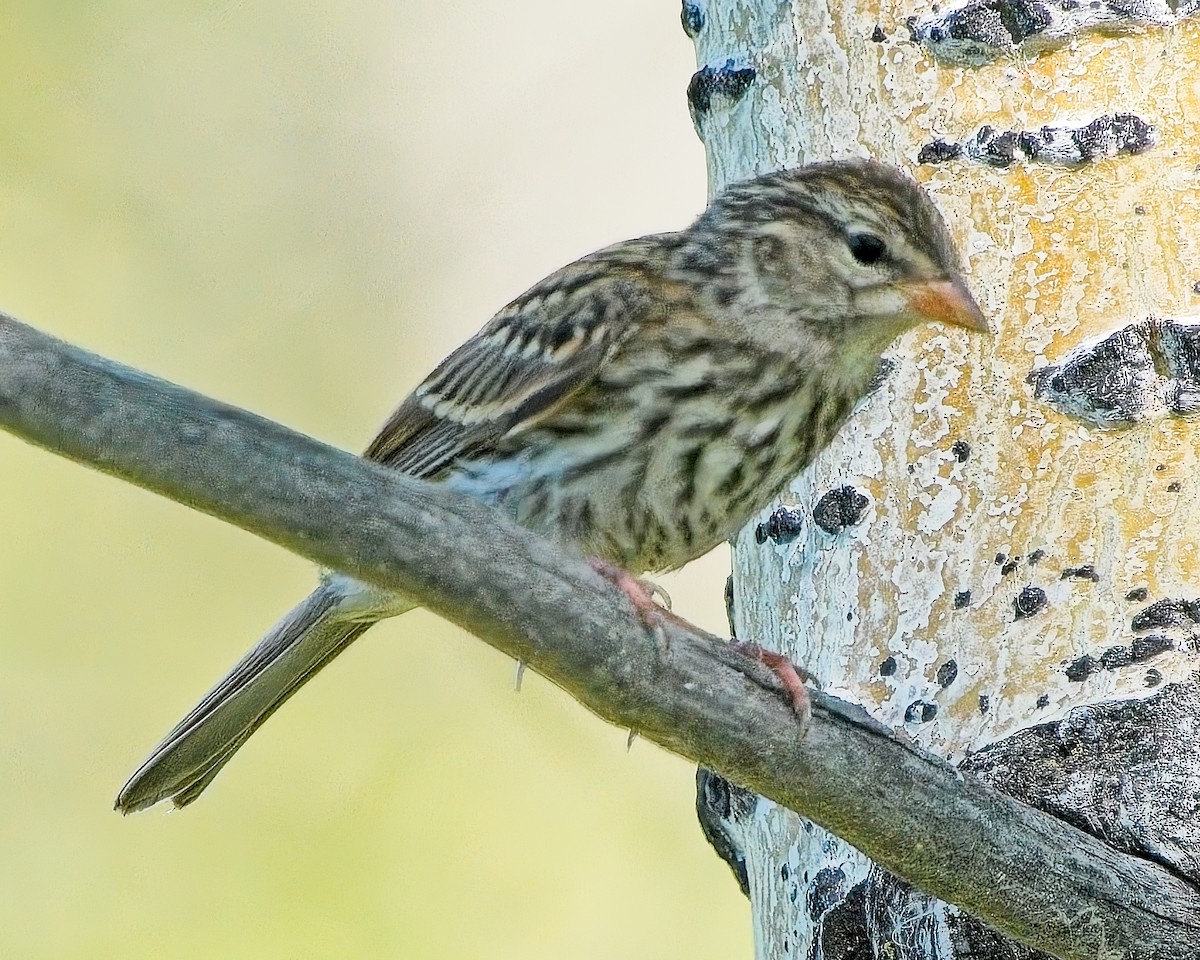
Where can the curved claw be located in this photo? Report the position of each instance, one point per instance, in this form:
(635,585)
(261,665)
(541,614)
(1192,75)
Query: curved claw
(790,675)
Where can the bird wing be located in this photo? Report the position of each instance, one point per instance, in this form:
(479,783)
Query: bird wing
(530,358)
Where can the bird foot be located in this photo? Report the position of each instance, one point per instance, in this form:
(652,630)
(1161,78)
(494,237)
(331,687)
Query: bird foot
(790,675)
(649,599)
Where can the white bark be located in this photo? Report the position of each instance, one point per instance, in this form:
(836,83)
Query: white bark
(975,476)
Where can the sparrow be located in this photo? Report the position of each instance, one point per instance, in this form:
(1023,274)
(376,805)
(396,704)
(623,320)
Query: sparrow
(637,406)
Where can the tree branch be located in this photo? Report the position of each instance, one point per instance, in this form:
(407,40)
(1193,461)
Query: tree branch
(692,694)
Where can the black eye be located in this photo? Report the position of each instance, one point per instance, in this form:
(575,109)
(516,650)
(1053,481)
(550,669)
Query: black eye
(866,247)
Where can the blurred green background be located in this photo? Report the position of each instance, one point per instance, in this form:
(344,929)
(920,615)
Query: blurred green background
(299,207)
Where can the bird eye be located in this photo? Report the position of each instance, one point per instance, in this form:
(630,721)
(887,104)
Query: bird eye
(866,247)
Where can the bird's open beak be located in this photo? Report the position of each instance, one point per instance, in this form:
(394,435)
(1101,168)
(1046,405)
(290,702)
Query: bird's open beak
(946,301)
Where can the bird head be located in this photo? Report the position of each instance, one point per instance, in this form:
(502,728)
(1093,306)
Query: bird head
(852,252)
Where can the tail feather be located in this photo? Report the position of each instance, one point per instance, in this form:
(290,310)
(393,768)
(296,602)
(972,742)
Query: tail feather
(309,636)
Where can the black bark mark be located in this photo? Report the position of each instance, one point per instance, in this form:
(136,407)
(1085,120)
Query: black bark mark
(980,31)
(1106,136)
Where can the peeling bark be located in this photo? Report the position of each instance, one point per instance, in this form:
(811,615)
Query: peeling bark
(1016,587)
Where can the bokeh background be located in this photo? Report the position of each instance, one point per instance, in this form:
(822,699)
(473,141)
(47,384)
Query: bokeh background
(299,207)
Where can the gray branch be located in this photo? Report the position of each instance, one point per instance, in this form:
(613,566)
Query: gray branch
(1032,877)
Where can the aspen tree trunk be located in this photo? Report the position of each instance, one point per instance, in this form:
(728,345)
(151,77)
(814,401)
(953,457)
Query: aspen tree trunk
(998,555)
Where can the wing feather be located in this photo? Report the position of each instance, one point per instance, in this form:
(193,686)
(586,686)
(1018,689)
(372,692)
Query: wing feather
(529,359)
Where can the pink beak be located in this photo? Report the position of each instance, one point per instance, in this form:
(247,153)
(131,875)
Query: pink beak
(946,301)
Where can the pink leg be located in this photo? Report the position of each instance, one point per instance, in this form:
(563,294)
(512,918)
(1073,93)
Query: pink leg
(791,676)
(640,592)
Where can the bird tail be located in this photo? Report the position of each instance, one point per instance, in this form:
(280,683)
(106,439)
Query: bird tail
(308,637)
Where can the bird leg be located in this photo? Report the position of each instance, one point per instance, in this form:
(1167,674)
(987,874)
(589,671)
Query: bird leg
(790,675)
(643,594)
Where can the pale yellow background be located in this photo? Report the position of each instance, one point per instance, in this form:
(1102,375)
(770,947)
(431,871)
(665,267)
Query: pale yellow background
(299,207)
